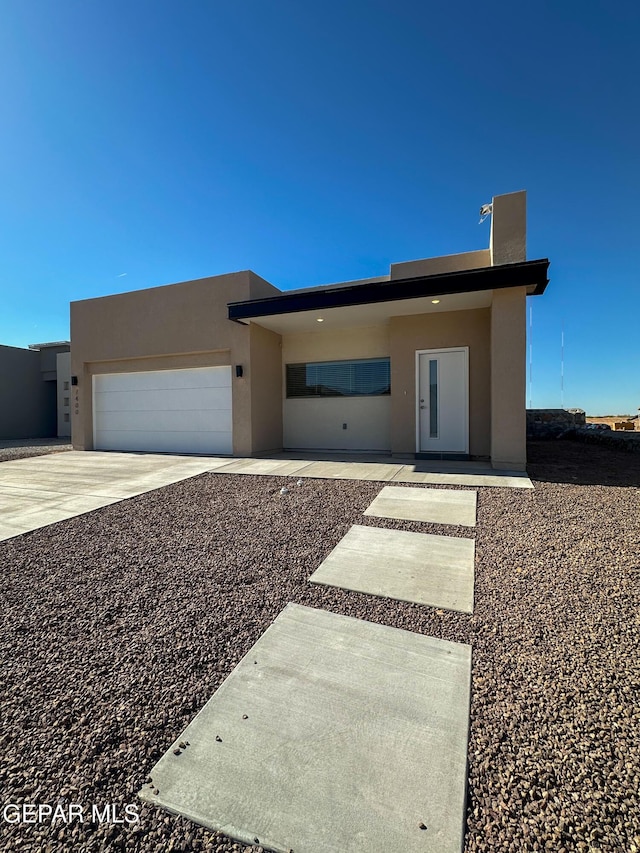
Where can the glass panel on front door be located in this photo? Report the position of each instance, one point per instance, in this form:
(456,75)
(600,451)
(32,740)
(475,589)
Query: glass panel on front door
(433,398)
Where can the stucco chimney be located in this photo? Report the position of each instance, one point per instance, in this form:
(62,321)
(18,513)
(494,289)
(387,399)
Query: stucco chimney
(508,242)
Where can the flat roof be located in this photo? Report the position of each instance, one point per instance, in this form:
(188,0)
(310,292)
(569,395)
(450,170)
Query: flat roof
(529,274)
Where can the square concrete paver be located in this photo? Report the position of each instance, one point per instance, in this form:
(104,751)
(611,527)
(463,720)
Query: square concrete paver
(352,470)
(332,735)
(486,477)
(440,506)
(416,567)
(271,467)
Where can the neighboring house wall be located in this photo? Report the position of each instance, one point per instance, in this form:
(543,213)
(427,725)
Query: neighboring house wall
(440,331)
(318,422)
(27,403)
(171,327)
(63,372)
(49,358)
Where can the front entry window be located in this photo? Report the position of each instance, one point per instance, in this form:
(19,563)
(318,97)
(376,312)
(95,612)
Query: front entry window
(364,377)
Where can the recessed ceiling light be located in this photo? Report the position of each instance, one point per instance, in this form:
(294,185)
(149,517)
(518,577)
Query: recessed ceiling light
(435,301)
(320,320)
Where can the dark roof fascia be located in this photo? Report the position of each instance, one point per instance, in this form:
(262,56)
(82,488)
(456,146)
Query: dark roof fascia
(51,344)
(526,273)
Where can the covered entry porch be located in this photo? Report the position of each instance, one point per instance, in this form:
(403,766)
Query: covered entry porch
(428,366)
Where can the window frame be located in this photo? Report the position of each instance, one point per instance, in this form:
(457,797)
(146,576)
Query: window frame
(337,394)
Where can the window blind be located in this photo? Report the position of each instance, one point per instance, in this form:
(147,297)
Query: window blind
(365,377)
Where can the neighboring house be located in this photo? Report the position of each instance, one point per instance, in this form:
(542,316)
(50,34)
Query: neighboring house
(428,361)
(32,391)
(63,371)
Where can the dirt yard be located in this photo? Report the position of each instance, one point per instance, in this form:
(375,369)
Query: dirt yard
(119,625)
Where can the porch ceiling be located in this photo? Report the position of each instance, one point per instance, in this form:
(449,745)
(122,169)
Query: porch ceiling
(372,314)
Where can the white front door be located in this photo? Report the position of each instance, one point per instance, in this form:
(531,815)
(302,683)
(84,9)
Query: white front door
(442,386)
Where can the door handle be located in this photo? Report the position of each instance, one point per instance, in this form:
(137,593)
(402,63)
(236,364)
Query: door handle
(423,407)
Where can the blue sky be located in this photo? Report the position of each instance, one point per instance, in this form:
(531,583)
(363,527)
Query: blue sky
(319,142)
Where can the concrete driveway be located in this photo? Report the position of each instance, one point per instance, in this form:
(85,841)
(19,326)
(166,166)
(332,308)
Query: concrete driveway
(45,489)
(41,490)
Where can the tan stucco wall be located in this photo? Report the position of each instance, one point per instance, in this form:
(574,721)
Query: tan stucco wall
(508,238)
(317,424)
(438,331)
(259,288)
(179,325)
(443,264)
(170,320)
(508,379)
(310,423)
(335,344)
(265,375)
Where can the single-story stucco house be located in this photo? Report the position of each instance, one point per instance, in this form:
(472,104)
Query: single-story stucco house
(427,362)
(34,391)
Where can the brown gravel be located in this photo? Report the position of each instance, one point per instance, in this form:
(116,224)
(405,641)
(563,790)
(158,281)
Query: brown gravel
(24,448)
(119,625)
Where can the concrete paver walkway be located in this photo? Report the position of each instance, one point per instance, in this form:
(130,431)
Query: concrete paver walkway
(384,469)
(417,567)
(332,735)
(438,506)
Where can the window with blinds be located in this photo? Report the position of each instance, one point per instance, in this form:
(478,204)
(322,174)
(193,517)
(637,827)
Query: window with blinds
(366,377)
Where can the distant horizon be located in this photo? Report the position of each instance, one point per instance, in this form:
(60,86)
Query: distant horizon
(619,415)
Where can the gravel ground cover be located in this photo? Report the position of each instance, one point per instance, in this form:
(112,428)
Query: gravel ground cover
(120,624)
(24,448)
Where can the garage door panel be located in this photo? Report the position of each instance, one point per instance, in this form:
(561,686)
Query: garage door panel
(157,421)
(196,377)
(164,442)
(172,411)
(179,399)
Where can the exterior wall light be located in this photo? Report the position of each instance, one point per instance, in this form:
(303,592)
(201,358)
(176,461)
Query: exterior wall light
(239,371)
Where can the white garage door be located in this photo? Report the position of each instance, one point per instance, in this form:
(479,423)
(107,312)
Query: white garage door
(166,411)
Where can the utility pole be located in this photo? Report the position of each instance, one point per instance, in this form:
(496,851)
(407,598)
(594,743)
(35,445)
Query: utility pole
(562,369)
(530,356)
